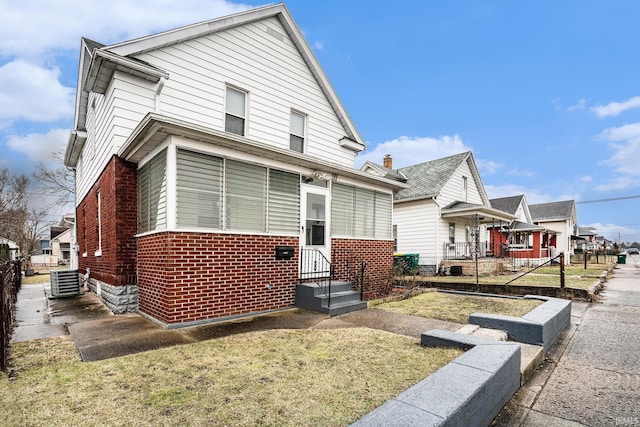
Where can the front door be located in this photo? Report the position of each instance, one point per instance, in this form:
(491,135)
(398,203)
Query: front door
(314,231)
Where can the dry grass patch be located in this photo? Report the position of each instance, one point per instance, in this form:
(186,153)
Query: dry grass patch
(457,308)
(534,279)
(278,377)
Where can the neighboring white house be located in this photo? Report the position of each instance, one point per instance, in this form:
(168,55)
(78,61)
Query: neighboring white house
(444,212)
(14,249)
(561,218)
(208,159)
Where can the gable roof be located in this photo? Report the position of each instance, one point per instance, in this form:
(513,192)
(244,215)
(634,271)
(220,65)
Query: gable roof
(507,204)
(98,62)
(554,211)
(426,180)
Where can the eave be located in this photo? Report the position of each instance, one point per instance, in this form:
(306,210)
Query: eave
(105,63)
(75,143)
(486,215)
(155,128)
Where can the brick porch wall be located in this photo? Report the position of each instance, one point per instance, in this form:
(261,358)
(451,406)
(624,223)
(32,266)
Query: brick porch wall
(378,254)
(118,204)
(186,277)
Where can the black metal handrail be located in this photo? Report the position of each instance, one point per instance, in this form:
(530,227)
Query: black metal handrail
(314,266)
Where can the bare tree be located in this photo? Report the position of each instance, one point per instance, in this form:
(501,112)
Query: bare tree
(13,203)
(57,181)
(33,230)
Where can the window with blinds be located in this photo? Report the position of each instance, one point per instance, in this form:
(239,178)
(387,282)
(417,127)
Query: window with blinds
(342,210)
(152,194)
(199,190)
(356,212)
(246,186)
(284,202)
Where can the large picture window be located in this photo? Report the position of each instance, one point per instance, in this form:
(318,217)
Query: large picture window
(199,190)
(357,212)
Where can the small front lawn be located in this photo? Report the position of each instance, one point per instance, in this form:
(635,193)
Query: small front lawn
(457,308)
(276,377)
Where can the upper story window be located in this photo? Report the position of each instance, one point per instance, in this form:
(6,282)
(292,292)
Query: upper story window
(235,111)
(296,131)
(465,191)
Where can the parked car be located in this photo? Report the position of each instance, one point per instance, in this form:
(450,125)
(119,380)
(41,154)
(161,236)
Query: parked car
(633,251)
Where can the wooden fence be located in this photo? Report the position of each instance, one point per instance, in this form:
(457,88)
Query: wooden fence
(10,280)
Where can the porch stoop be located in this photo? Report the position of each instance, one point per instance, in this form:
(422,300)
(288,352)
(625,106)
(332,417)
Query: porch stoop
(310,296)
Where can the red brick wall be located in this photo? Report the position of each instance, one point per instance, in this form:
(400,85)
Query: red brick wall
(118,203)
(187,277)
(378,254)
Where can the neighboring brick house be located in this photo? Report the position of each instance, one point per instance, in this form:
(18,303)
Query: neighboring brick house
(522,240)
(198,152)
(561,218)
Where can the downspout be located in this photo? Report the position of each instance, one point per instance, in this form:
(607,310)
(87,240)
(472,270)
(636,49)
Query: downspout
(437,242)
(159,88)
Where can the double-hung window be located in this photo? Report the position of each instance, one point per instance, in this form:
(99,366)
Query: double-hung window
(235,111)
(296,131)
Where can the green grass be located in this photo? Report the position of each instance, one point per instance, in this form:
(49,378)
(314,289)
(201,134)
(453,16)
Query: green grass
(457,308)
(271,378)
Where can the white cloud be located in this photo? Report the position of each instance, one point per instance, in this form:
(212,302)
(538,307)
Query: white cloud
(39,147)
(407,151)
(614,232)
(488,167)
(30,28)
(522,172)
(615,108)
(33,93)
(625,144)
(617,184)
(319,45)
(586,178)
(580,105)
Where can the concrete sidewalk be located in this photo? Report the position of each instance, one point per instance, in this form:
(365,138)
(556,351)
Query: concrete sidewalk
(592,375)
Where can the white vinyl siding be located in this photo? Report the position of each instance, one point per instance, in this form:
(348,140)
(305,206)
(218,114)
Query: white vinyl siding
(356,212)
(152,194)
(245,196)
(199,190)
(270,69)
(418,229)
(284,202)
(454,191)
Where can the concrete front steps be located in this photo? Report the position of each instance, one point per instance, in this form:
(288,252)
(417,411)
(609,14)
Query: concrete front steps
(531,356)
(311,296)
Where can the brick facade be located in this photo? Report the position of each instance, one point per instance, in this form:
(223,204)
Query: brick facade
(111,258)
(378,255)
(186,277)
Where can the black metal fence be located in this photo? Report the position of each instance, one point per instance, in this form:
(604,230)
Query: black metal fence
(10,280)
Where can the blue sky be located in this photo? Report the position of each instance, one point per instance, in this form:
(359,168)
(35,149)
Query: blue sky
(543,92)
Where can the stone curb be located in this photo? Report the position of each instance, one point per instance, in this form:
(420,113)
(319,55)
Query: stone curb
(541,326)
(469,391)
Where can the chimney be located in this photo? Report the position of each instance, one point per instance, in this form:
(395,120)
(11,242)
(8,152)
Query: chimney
(387,162)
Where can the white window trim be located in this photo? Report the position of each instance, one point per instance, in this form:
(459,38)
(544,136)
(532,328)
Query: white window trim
(99,207)
(305,127)
(246,108)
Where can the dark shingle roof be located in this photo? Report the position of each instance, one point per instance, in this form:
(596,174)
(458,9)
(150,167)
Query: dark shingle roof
(507,204)
(427,179)
(552,211)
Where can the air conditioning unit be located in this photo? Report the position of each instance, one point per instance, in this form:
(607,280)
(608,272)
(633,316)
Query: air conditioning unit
(64,283)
